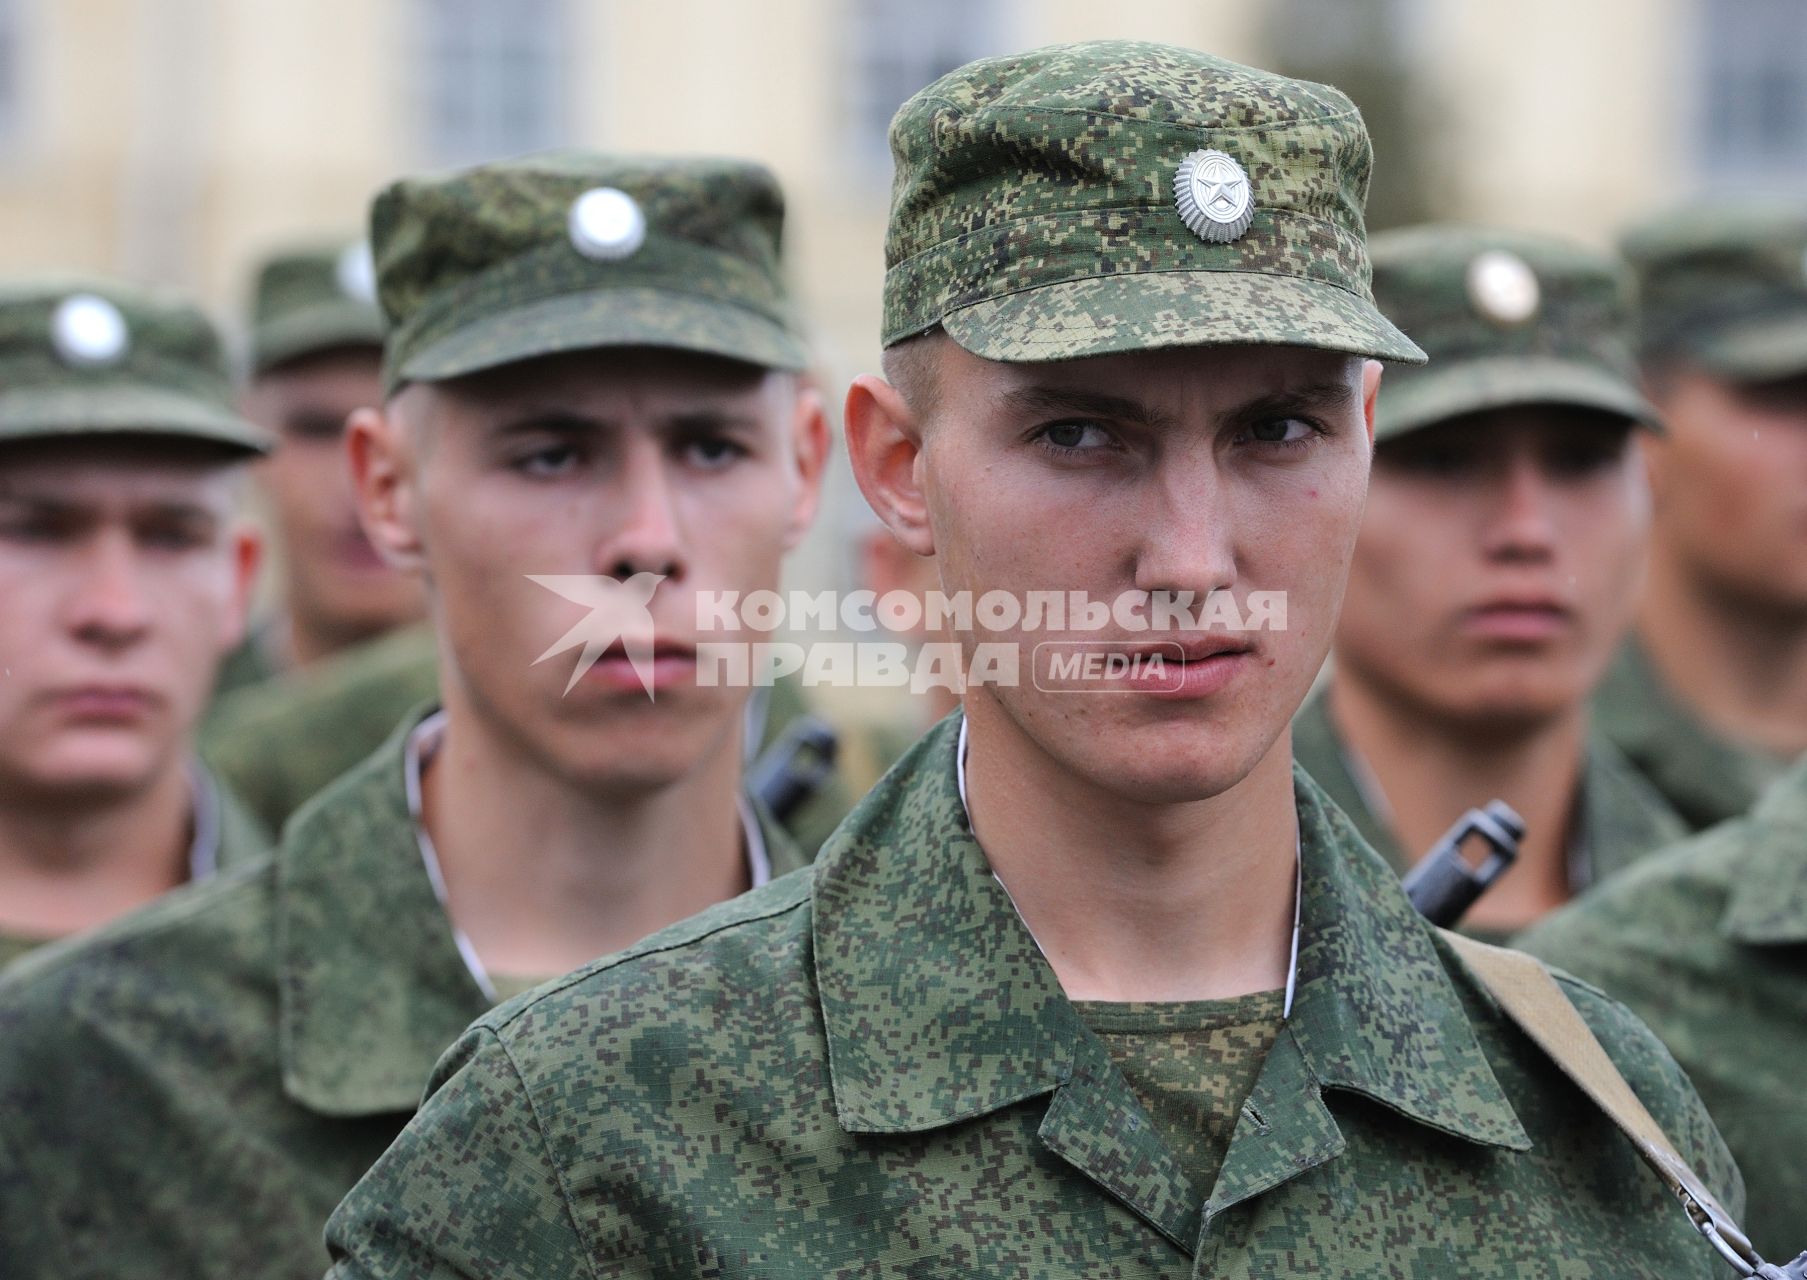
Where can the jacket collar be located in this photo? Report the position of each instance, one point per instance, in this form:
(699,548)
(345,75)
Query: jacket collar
(1768,902)
(372,986)
(939,1007)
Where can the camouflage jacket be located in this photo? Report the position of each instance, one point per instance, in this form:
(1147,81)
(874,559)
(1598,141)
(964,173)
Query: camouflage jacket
(191,1091)
(1708,941)
(1705,778)
(1623,817)
(867,1069)
(231,835)
(283,742)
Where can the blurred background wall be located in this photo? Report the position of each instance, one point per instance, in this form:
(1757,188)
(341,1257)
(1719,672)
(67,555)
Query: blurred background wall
(175,140)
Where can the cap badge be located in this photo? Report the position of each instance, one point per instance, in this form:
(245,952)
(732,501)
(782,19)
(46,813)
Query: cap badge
(86,330)
(1213,195)
(606,223)
(1502,287)
(356,273)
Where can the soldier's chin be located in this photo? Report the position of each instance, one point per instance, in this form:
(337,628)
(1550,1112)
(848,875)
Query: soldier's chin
(1151,773)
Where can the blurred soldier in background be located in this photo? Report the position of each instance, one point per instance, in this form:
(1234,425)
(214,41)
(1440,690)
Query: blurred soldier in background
(592,372)
(316,355)
(1496,569)
(1707,942)
(1709,698)
(125,571)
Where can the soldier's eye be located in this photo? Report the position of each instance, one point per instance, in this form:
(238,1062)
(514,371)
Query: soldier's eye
(1282,431)
(712,452)
(548,463)
(1074,437)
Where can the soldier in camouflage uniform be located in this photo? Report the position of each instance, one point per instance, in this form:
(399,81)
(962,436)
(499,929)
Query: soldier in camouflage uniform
(593,373)
(1708,943)
(315,355)
(1709,697)
(1035,1010)
(1496,569)
(125,571)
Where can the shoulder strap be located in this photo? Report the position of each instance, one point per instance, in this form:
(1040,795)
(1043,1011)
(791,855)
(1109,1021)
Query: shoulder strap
(1533,1000)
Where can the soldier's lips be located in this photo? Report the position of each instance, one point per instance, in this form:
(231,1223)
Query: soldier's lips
(1523,621)
(671,663)
(103,704)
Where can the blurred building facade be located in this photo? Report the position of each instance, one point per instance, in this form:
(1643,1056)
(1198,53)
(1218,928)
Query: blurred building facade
(175,140)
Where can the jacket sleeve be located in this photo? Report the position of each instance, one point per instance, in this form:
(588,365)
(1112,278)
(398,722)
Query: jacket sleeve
(469,1189)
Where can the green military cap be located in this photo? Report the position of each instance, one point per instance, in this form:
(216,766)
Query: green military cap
(313,298)
(1508,318)
(571,250)
(1725,287)
(82,357)
(1115,196)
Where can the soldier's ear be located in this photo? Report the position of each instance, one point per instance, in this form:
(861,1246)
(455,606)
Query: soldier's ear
(884,446)
(1371,371)
(810,443)
(380,453)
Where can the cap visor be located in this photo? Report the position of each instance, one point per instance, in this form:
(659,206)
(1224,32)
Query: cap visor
(1106,315)
(607,318)
(39,414)
(312,330)
(1759,350)
(1417,398)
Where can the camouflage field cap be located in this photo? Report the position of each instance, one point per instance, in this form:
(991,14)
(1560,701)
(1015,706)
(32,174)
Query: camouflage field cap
(313,298)
(1115,196)
(91,357)
(571,250)
(1724,287)
(1508,319)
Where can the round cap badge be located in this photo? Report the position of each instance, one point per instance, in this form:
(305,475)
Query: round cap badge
(356,273)
(1502,287)
(86,330)
(606,223)
(1213,196)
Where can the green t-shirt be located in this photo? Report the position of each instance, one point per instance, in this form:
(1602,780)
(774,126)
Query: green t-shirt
(1191,1065)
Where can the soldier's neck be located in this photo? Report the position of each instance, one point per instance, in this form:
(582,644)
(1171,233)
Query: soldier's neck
(544,873)
(72,861)
(1131,900)
(1740,667)
(1432,769)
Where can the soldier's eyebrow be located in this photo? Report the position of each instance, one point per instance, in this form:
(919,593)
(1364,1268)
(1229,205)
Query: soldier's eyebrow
(1075,402)
(1316,398)
(689,423)
(562,421)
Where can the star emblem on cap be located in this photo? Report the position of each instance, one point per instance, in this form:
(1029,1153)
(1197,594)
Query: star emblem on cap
(89,331)
(1214,197)
(606,223)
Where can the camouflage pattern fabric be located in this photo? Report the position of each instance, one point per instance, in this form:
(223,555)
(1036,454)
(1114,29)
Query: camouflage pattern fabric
(489,265)
(1708,942)
(1191,1065)
(1034,216)
(85,356)
(190,1092)
(1724,286)
(251,662)
(280,744)
(1623,817)
(1507,318)
(867,1069)
(1705,778)
(313,298)
(240,839)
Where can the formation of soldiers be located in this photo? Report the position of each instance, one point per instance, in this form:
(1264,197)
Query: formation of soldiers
(1081,986)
